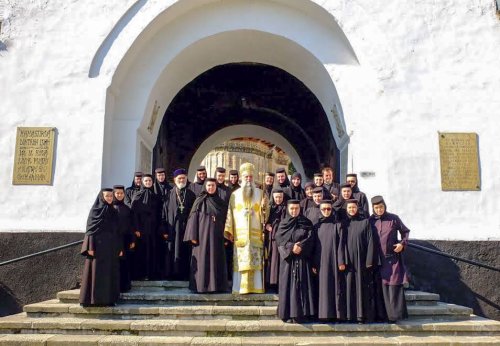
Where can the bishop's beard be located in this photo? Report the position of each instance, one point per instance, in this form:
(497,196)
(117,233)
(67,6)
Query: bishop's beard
(248,192)
(180,186)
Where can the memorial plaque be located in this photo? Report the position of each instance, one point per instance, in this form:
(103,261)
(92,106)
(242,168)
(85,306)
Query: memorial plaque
(34,156)
(459,162)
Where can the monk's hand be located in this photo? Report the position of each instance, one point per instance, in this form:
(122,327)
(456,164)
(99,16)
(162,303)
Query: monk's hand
(120,254)
(342,267)
(315,271)
(137,234)
(195,242)
(398,247)
(269,228)
(131,246)
(296,249)
(91,253)
(165,236)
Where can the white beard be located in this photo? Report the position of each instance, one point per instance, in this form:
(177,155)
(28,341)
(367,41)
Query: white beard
(248,188)
(180,185)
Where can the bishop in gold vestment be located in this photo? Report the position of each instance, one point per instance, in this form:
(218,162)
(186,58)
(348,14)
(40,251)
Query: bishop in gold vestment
(244,227)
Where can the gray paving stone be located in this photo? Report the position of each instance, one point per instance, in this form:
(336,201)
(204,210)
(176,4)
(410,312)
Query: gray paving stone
(74,340)
(25,339)
(154,325)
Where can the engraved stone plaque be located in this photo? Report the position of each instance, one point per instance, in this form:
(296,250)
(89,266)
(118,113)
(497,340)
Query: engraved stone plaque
(34,156)
(459,162)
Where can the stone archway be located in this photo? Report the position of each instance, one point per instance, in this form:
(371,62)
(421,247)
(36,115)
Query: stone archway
(189,38)
(251,94)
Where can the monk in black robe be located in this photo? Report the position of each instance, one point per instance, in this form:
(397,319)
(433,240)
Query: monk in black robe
(133,188)
(329,264)
(205,232)
(197,185)
(295,239)
(277,212)
(331,186)
(364,209)
(162,189)
(102,247)
(282,180)
(313,213)
(222,190)
(268,184)
(175,214)
(234,180)
(127,232)
(295,190)
(161,186)
(224,193)
(319,182)
(145,213)
(360,249)
(393,275)
(307,202)
(340,204)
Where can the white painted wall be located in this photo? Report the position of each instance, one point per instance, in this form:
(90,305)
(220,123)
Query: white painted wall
(399,70)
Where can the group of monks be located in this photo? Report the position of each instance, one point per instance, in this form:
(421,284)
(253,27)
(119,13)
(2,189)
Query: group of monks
(315,245)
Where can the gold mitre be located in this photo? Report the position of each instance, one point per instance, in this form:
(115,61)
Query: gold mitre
(247,169)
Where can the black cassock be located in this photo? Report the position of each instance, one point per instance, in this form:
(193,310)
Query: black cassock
(224,193)
(145,214)
(130,193)
(360,258)
(126,231)
(100,278)
(313,213)
(272,262)
(362,201)
(175,214)
(333,190)
(296,282)
(306,203)
(196,187)
(162,191)
(295,192)
(329,253)
(205,225)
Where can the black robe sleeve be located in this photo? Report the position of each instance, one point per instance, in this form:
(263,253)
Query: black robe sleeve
(286,250)
(307,244)
(88,245)
(370,246)
(403,231)
(341,254)
(192,227)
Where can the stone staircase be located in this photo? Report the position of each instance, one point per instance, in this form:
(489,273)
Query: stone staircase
(166,313)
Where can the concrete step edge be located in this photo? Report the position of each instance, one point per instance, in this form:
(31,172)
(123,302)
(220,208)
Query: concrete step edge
(53,339)
(54,306)
(185,294)
(21,322)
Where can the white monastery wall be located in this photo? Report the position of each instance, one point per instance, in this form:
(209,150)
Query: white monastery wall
(422,67)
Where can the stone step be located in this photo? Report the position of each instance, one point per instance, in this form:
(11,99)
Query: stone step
(22,324)
(440,311)
(183,296)
(159,285)
(105,340)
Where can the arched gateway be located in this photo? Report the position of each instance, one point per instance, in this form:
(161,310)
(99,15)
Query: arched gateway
(201,67)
